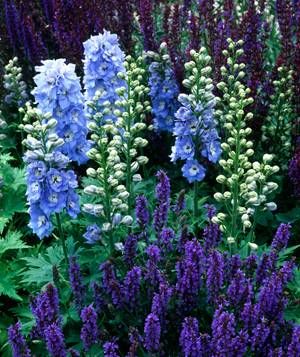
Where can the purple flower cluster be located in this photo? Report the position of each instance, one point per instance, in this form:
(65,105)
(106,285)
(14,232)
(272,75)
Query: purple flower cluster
(190,341)
(189,272)
(17,341)
(152,332)
(246,312)
(89,332)
(76,283)
(55,341)
(45,309)
(131,288)
(294,171)
(141,211)
(163,191)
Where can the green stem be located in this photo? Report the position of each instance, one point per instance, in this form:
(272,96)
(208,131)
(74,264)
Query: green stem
(196,191)
(62,237)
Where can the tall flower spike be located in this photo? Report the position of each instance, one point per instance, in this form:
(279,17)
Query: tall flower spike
(195,126)
(110,349)
(110,284)
(245,183)
(16,88)
(294,346)
(145,8)
(58,92)
(294,171)
(76,283)
(130,249)
(45,309)
(225,340)
(131,287)
(215,275)
(163,191)
(152,332)
(153,274)
(189,273)
(89,332)
(103,60)
(55,341)
(189,340)
(211,233)
(277,130)
(141,211)
(133,107)
(17,341)
(164,90)
(50,186)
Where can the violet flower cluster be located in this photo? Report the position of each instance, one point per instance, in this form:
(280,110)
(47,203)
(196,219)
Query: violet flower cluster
(200,302)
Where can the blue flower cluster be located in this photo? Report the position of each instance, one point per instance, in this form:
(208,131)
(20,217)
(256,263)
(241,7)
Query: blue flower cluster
(104,59)
(50,189)
(58,92)
(196,136)
(164,91)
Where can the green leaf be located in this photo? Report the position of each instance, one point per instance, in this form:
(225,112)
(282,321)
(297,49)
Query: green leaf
(289,217)
(7,283)
(12,241)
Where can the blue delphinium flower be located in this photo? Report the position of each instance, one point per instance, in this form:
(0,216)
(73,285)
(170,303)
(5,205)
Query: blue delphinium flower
(103,60)
(195,130)
(50,186)
(58,92)
(164,91)
(92,234)
(196,136)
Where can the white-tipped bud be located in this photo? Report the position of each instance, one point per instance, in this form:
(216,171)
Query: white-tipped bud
(218,196)
(221,179)
(253,246)
(136,178)
(123,195)
(106,227)
(230,240)
(271,206)
(127,220)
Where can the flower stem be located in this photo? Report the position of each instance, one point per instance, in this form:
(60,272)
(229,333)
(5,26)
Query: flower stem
(62,237)
(196,190)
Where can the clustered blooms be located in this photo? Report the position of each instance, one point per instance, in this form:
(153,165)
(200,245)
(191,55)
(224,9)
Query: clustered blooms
(50,186)
(14,85)
(277,130)
(116,145)
(294,171)
(58,92)
(164,90)
(17,341)
(103,60)
(246,311)
(246,185)
(195,125)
